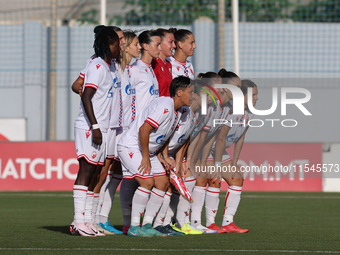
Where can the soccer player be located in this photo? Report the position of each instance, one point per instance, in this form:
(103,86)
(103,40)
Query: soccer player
(232,132)
(161,66)
(138,148)
(176,149)
(185,46)
(91,127)
(200,193)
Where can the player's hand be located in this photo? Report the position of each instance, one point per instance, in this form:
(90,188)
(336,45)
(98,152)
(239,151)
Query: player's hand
(170,161)
(163,162)
(97,136)
(80,91)
(145,166)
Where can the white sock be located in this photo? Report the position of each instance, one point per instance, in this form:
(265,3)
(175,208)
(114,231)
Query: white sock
(127,190)
(95,206)
(172,209)
(153,205)
(89,206)
(109,196)
(198,195)
(79,200)
(232,200)
(101,195)
(211,204)
(183,208)
(162,211)
(139,201)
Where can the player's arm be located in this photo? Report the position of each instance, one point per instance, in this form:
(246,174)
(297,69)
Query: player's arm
(198,147)
(144,135)
(165,152)
(207,149)
(77,86)
(179,158)
(220,143)
(238,147)
(88,107)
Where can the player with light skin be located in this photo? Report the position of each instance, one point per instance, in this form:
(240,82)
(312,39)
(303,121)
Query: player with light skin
(176,148)
(224,139)
(200,192)
(91,127)
(141,143)
(161,65)
(185,47)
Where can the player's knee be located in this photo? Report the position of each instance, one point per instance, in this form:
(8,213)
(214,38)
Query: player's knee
(201,182)
(162,183)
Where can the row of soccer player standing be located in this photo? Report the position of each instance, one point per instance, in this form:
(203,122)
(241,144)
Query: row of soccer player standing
(138,121)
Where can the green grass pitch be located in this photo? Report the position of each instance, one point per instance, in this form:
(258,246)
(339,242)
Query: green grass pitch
(279,223)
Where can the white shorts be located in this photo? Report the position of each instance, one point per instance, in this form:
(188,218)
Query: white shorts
(131,159)
(85,148)
(225,157)
(113,136)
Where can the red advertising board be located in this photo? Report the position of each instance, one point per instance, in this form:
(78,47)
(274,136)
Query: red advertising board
(53,166)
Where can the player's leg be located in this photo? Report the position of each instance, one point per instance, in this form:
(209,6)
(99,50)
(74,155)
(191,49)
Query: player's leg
(109,195)
(235,181)
(127,190)
(161,185)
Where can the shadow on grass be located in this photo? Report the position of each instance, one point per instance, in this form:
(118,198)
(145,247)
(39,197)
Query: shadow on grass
(60,229)
(66,229)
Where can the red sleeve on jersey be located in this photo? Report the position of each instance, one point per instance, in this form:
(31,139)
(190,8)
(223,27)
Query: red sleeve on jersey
(163,75)
(152,123)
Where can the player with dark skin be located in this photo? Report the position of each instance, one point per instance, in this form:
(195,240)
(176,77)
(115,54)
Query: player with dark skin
(86,170)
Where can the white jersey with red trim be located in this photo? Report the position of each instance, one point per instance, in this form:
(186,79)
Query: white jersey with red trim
(128,97)
(180,68)
(161,115)
(238,124)
(83,72)
(144,81)
(98,77)
(203,120)
(116,119)
(186,126)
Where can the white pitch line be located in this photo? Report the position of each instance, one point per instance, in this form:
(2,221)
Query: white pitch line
(165,250)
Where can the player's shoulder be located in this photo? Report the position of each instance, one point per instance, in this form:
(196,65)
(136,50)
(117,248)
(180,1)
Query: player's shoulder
(170,59)
(98,64)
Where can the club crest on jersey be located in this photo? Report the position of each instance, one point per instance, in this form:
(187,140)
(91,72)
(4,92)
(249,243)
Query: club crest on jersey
(159,139)
(98,65)
(94,154)
(131,154)
(184,110)
(153,91)
(178,68)
(166,111)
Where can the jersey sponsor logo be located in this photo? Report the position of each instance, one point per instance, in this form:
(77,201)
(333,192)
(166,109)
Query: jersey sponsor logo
(166,111)
(131,154)
(98,65)
(153,91)
(116,83)
(129,91)
(231,138)
(159,139)
(180,139)
(110,94)
(94,154)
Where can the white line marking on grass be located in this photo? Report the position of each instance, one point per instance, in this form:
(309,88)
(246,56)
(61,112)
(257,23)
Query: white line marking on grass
(165,250)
